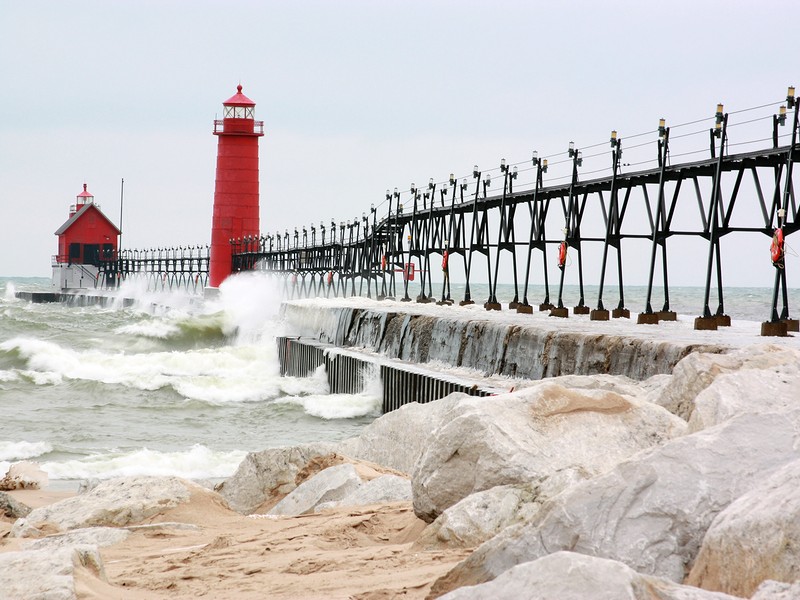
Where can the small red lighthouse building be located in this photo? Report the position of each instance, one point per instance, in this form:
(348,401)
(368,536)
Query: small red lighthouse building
(85,239)
(236,210)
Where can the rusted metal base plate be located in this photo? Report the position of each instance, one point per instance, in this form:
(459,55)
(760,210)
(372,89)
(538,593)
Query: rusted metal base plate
(773,329)
(647,319)
(705,324)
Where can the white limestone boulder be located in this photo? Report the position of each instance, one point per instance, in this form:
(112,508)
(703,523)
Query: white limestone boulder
(651,511)
(47,574)
(270,472)
(756,538)
(12,508)
(479,517)
(695,372)
(619,384)
(386,488)
(113,503)
(571,576)
(529,435)
(329,485)
(90,536)
(482,515)
(24,475)
(744,391)
(776,590)
(397,439)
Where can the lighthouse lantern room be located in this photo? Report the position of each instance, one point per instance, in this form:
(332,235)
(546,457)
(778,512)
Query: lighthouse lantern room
(236,193)
(85,239)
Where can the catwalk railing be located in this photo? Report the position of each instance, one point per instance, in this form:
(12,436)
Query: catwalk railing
(598,220)
(182,267)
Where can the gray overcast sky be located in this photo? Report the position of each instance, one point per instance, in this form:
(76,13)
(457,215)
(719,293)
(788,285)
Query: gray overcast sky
(356,96)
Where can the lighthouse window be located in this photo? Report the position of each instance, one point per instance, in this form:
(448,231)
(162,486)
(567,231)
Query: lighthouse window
(238,112)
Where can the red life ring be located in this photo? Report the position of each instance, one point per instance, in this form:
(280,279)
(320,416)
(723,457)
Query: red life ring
(383,262)
(445,258)
(330,277)
(776,248)
(562,254)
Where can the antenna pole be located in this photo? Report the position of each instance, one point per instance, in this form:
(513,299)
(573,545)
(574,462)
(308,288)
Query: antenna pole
(121,197)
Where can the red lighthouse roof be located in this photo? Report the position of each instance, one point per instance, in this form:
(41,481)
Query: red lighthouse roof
(238,99)
(84,194)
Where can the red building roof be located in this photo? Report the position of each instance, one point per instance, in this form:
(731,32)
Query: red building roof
(81,212)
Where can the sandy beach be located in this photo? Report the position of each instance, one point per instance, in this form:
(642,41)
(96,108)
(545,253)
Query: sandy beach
(507,494)
(364,552)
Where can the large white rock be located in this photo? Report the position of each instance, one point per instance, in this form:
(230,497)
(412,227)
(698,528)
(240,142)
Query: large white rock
(776,590)
(386,488)
(46,574)
(571,576)
(528,436)
(269,472)
(397,438)
(115,503)
(619,384)
(329,485)
(744,391)
(754,539)
(90,536)
(12,508)
(24,475)
(651,511)
(480,516)
(695,372)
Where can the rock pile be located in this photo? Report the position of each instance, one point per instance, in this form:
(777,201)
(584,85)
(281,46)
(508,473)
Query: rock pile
(685,486)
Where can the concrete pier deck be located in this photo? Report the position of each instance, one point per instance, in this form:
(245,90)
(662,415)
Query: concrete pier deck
(74,298)
(511,345)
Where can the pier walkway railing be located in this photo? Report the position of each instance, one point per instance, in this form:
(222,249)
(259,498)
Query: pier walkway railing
(181,267)
(586,225)
(681,192)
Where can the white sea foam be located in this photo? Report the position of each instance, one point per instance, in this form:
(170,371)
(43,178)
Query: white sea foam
(336,406)
(340,406)
(155,328)
(197,463)
(42,378)
(250,304)
(225,374)
(148,301)
(6,376)
(11,451)
(10,292)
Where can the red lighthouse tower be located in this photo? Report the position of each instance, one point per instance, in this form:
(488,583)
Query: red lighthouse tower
(236,187)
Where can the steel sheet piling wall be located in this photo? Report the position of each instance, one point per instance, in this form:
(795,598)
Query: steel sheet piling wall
(402,384)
